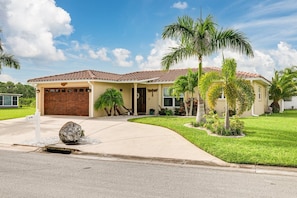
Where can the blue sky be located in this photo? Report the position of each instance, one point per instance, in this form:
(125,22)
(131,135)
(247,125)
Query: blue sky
(50,37)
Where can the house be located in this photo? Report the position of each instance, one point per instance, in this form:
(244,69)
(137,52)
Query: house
(9,100)
(75,93)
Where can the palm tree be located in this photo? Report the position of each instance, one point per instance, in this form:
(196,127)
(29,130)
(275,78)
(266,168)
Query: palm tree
(283,85)
(7,60)
(109,100)
(184,84)
(237,91)
(201,38)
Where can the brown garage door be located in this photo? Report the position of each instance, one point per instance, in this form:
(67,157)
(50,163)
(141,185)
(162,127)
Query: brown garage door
(66,101)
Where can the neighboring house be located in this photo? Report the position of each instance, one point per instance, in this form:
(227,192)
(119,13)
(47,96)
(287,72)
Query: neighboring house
(9,100)
(290,103)
(75,93)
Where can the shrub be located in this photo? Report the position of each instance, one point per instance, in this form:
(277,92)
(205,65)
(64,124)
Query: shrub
(28,102)
(216,125)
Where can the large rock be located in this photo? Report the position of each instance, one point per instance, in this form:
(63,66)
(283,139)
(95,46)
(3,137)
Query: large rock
(70,133)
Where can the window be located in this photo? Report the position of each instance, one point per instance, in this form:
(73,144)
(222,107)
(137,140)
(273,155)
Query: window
(259,93)
(7,100)
(171,101)
(1,100)
(14,101)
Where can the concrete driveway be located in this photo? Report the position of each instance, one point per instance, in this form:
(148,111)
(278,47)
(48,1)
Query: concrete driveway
(107,136)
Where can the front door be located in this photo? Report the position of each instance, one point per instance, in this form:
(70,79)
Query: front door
(141,100)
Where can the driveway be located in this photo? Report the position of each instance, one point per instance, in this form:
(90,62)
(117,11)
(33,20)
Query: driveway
(113,136)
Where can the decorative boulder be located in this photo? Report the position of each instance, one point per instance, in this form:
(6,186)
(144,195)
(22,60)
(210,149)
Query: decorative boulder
(70,133)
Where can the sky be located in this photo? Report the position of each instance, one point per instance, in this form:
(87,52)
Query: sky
(51,37)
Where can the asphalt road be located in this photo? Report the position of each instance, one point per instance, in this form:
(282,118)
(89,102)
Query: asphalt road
(57,175)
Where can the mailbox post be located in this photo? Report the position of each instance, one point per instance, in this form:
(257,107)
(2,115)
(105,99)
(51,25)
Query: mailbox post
(36,119)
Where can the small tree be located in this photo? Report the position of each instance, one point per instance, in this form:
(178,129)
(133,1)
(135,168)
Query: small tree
(184,84)
(283,85)
(237,91)
(109,100)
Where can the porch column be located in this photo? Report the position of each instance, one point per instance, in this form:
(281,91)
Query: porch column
(160,93)
(135,99)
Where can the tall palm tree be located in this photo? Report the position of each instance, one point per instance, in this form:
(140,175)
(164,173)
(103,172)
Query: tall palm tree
(184,84)
(201,38)
(283,85)
(7,60)
(109,100)
(239,93)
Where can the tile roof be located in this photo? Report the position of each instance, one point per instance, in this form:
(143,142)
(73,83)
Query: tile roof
(152,76)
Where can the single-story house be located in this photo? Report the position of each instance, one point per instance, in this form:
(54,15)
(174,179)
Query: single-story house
(9,100)
(75,93)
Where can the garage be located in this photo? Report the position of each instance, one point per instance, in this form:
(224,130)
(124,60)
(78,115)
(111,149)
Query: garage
(66,101)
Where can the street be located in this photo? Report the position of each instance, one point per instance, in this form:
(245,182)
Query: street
(34,174)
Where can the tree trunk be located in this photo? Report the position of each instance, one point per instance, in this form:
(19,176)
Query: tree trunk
(186,108)
(200,110)
(200,105)
(275,107)
(227,117)
(191,106)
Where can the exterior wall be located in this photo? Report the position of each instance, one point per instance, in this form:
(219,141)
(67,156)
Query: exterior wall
(154,100)
(291,104)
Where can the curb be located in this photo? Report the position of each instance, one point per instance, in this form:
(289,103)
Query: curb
(258,169)
(63,150)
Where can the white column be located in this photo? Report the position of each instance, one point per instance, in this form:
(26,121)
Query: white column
(135,99)
(159,96)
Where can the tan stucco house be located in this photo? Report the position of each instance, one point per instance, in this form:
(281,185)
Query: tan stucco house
(75,93)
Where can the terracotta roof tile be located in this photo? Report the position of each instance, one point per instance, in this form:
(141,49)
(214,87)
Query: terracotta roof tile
(154,75)
(79,75)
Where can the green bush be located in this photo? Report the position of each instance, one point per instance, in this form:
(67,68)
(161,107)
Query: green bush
(217,126)
(27,102)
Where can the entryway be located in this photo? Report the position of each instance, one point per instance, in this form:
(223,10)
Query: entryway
(141,100)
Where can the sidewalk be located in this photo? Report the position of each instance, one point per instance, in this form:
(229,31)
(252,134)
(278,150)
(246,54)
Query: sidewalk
(108,136)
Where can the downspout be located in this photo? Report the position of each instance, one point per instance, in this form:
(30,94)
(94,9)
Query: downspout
(253,106)
(92,100)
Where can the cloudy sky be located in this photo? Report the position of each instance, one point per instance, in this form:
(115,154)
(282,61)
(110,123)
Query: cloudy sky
(51,37)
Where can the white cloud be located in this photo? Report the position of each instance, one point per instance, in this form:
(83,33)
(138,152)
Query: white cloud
(263,62)
(121,56)
(5,78)
(99,54)
(139,59)
(284,56)
(180,5)
(30,28)
(159,49)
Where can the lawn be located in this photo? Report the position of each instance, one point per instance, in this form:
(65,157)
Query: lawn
(10,113)
(270,140)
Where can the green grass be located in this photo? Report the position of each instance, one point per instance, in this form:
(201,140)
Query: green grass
(270,140)
(10,113)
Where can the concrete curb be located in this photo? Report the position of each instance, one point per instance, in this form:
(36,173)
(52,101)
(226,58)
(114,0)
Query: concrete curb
(259,169)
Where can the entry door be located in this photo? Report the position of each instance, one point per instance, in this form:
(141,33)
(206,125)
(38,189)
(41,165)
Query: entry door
(141,100)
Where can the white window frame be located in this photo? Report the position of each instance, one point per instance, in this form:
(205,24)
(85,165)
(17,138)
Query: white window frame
(166,95)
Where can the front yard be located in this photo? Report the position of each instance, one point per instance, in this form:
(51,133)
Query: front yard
(10,113)
(269,140)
